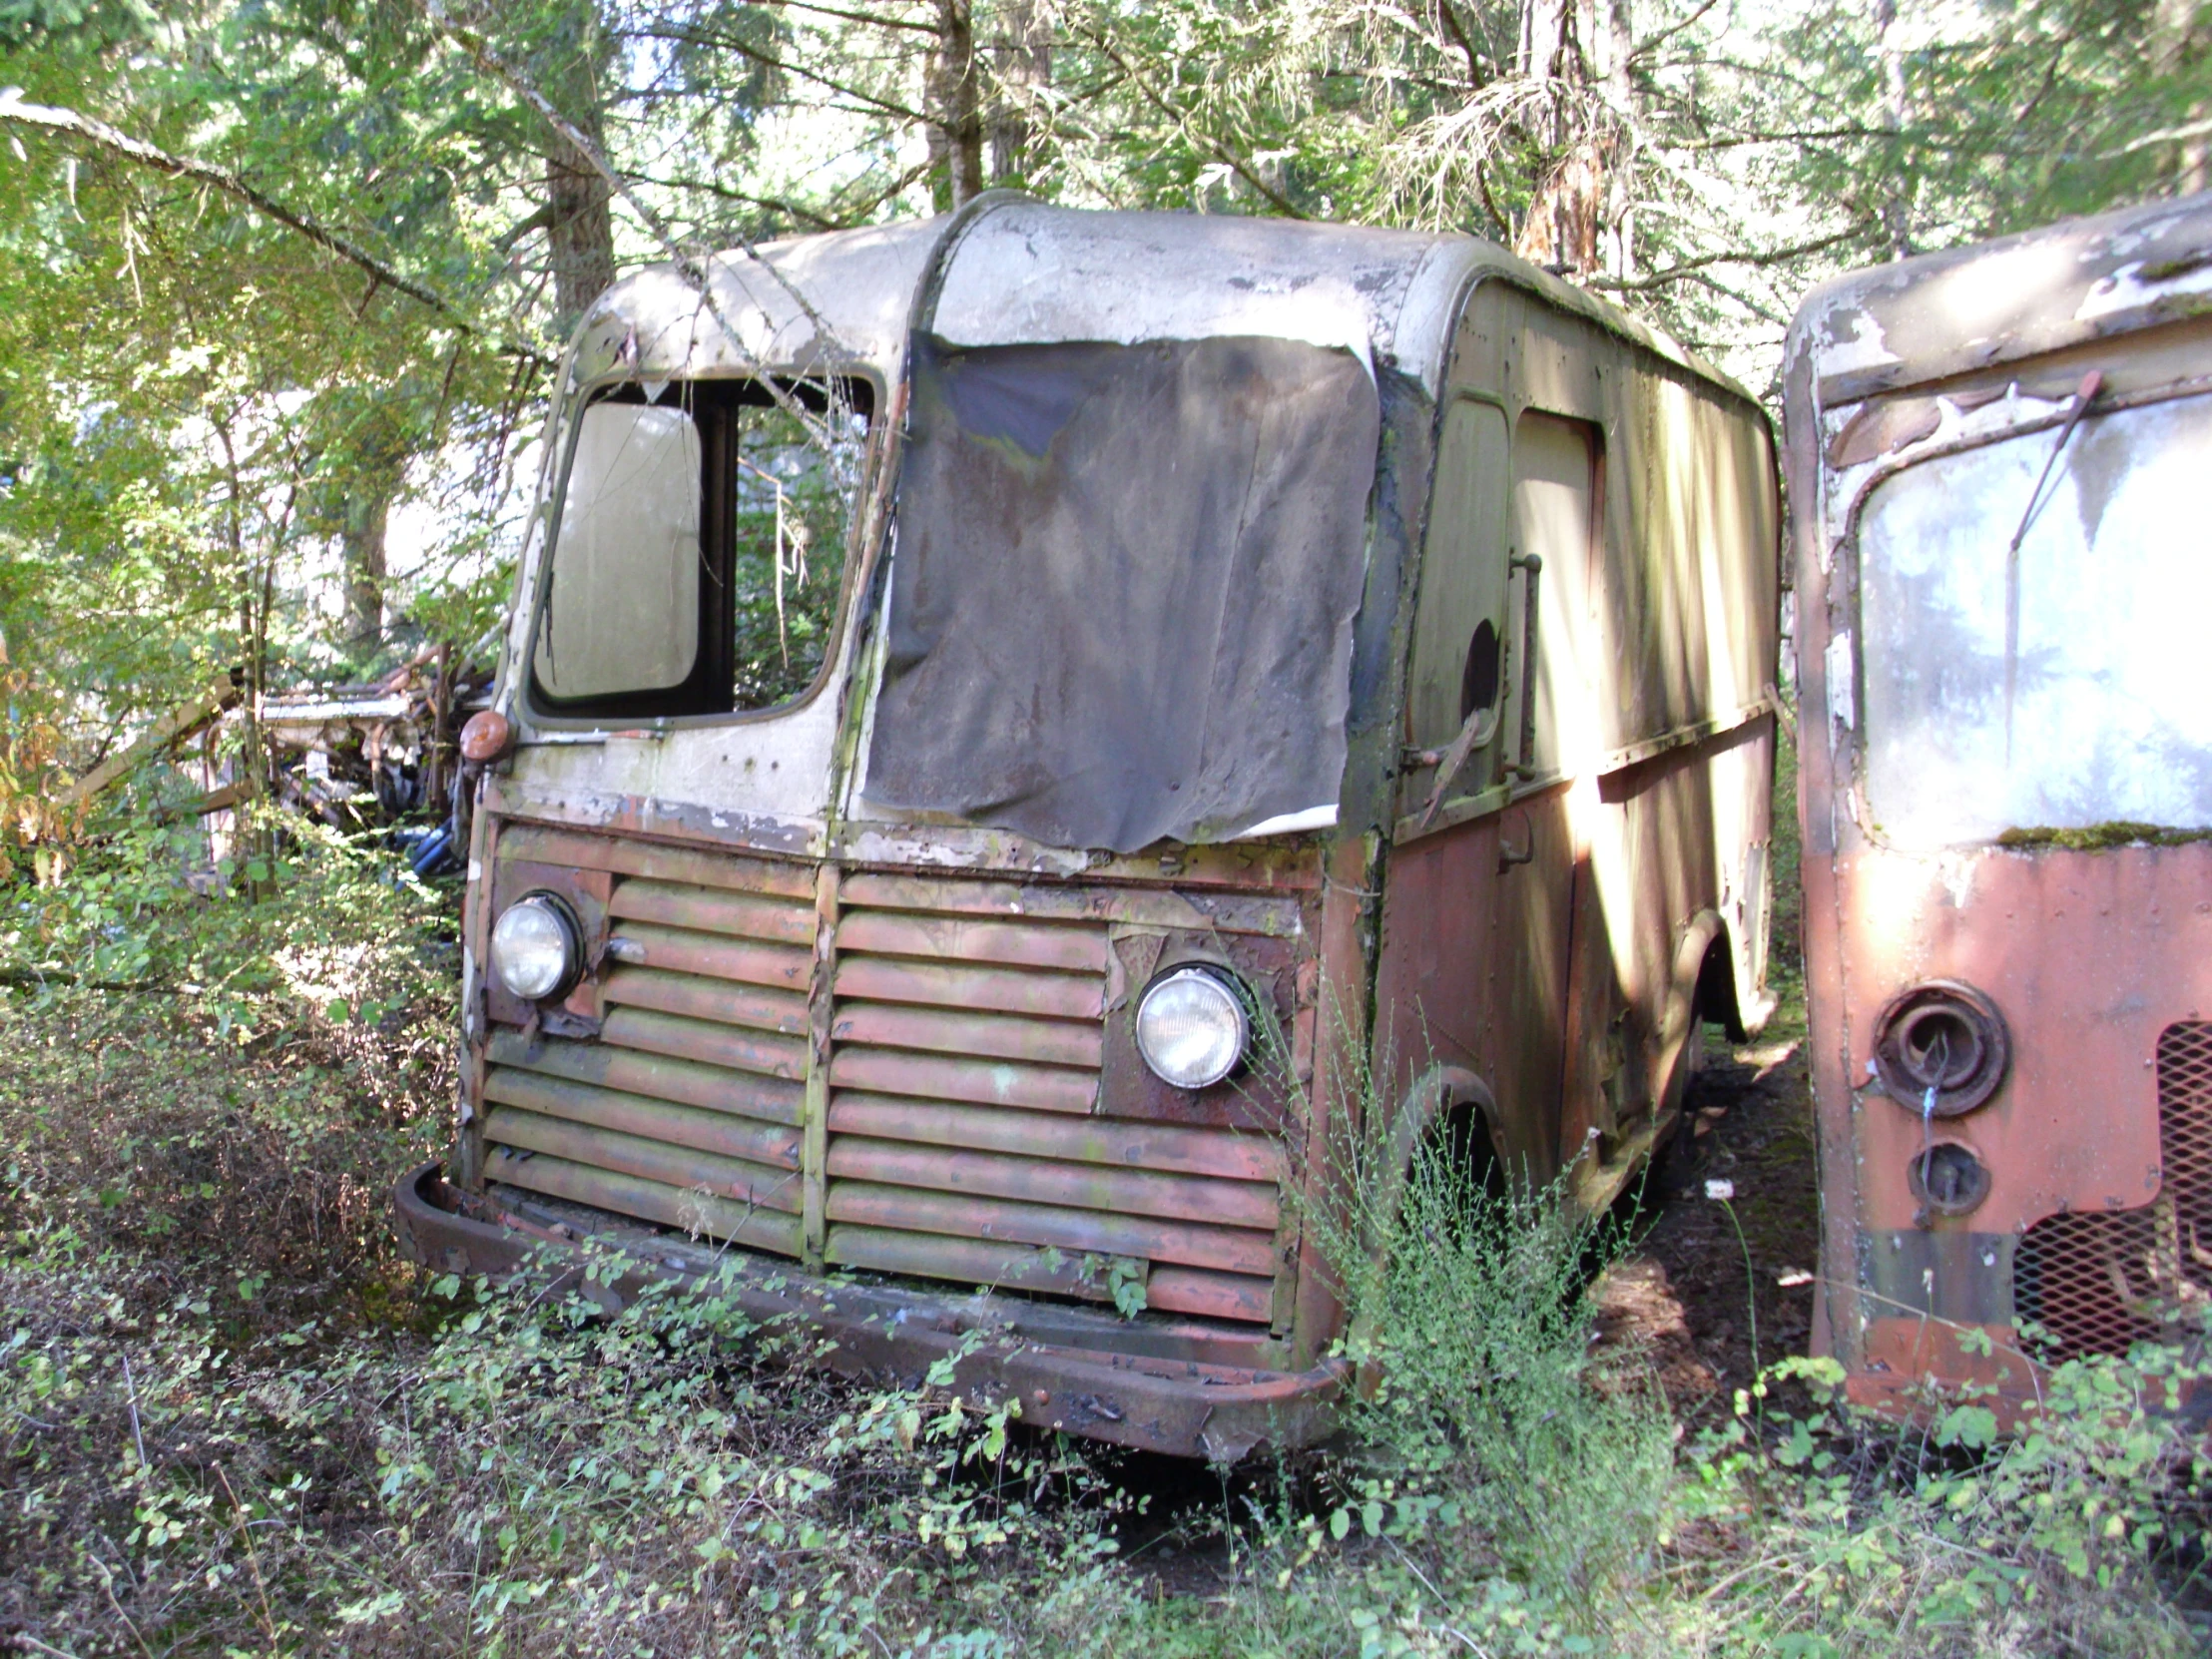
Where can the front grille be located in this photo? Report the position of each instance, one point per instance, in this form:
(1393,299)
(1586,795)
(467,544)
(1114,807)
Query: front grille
(2101,1282)
(962,1142)
(687,1109)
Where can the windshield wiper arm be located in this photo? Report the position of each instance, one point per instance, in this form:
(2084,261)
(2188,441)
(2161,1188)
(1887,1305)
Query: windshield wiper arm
(2084,394)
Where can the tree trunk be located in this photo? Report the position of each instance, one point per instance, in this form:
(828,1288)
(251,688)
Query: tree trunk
(1620,192)
(580,233)
(954,104)
(1896,198)
(1023,59)
(361,547)
(1567,205)
(2180,46)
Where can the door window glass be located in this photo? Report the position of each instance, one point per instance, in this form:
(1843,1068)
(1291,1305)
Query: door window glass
(622,610)
(1554,491)
(698,566)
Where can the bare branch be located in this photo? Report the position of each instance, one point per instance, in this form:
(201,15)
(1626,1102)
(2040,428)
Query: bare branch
(853,17)
(768,60)
(1652,43)
(1689,270)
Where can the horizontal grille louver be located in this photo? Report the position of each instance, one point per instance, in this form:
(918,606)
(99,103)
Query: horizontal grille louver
(963,1137)
(688,1109)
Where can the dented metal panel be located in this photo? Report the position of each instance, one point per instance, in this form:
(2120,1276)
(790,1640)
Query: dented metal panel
(2010,395)
(726,1133)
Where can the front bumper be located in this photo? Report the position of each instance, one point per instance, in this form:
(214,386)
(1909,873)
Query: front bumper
(884,1333)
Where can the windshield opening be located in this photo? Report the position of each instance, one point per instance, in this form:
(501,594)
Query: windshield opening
(698,561)
(2089,707)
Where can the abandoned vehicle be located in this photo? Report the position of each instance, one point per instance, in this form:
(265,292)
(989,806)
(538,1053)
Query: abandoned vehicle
(1996,457)
(1012,728)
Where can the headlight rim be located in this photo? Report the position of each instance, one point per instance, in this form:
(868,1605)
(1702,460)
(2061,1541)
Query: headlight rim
(572,953)
(1240,1002)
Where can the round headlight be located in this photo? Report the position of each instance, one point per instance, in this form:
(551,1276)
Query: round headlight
(1191,1027)
(534,949)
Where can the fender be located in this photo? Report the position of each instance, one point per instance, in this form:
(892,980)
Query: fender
(1435,1092)
(1678,1019)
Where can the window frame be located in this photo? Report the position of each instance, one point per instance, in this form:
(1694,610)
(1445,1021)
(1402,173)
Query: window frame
(714,665)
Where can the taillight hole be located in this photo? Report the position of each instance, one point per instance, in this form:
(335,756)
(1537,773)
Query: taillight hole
(1941,1048)
(1950,1180)
(1938,1046)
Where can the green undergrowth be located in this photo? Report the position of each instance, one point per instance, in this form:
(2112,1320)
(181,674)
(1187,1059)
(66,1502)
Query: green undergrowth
(232,1422)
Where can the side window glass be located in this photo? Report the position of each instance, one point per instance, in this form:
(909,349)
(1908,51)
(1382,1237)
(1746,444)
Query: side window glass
(698,561)
(792,495)
(622,606)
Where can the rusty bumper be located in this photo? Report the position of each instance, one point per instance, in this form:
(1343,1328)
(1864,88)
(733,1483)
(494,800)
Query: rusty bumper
(886,1334)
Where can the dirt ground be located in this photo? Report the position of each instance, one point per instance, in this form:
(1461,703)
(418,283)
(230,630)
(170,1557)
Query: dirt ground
(1719,1288)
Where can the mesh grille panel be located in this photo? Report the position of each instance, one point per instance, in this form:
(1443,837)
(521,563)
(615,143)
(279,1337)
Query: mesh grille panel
(2100,1283)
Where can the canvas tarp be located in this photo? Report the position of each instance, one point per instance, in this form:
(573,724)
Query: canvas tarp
(1123,587)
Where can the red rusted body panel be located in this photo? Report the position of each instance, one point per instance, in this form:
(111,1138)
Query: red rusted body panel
(2055,1203)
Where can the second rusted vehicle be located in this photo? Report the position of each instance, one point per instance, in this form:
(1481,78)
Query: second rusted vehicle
(1996,459)
(1016,731)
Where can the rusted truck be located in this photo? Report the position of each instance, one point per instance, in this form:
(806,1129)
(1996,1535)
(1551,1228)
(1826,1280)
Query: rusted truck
(1997,461)
(1020,736)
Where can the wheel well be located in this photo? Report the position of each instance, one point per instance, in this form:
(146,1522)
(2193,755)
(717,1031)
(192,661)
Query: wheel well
(1713,1002)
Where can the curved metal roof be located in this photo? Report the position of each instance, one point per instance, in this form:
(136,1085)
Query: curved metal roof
(1938,316)
(1026,271)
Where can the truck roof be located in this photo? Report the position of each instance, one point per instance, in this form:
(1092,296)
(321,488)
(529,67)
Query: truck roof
(1024,272)
(1938,316)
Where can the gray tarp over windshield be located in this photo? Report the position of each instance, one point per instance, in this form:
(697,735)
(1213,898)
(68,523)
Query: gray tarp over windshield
(1120,606)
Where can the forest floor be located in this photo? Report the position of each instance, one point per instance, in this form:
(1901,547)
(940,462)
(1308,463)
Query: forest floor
(233,1422)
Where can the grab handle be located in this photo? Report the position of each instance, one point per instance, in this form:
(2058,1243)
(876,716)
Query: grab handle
(1533,565)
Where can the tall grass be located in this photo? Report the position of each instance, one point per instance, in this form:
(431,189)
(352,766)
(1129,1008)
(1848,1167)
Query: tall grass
(1473,1341)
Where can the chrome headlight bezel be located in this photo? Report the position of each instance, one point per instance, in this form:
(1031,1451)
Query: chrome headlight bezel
(1204,990)
(533,911)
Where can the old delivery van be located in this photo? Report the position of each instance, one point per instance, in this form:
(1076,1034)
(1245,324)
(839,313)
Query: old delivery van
(1012,728)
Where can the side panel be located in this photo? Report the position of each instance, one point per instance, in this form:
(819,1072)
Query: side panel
(1533,928)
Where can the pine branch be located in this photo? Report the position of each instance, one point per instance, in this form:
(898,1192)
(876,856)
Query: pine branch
(1222,152)
(56,119)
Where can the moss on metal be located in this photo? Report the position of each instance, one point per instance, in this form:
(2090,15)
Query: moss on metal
(2096,837)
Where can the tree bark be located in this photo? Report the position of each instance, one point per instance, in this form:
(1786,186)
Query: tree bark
(1897,200)
(580,232)
(361,548)
(2180,39)
(952,100)
(1567,207)
(1023,60)
(580,229)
